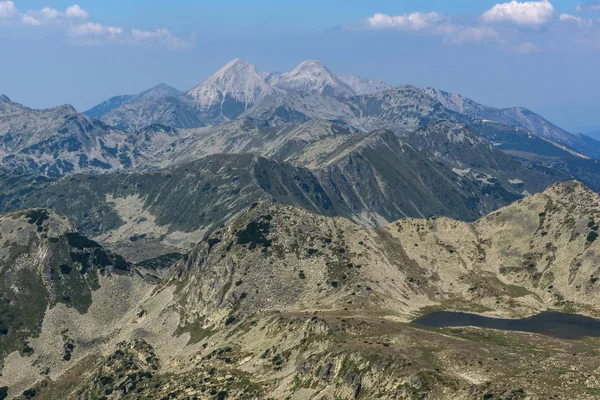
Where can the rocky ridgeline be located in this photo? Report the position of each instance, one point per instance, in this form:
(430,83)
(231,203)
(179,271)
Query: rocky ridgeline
(279,302)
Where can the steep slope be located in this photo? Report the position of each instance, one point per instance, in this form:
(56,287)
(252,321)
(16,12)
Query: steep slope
(404,108)
(55,141)
(524,144)
(244,135)
(286,303)
(517,116)
(50,273)
(173,111)
(362,85)
(60,141)
(143,215)
(231,90)
(442,169)
(221,97)
(225,95)
(375,178)
(158,92)
(298,107)
(313,77)
(401,108)
(384,177)
(545,231)
(465,152)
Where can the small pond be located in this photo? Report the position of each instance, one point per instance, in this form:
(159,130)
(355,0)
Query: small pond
(559,325)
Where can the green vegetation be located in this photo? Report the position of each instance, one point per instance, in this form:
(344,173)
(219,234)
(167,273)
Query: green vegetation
(255,234)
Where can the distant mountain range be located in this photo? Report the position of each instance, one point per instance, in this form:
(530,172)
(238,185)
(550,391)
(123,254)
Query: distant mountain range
(336,145)
(225,95)
(372,178)
(239,89)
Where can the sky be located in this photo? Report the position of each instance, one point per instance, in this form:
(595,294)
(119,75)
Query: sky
(541,54)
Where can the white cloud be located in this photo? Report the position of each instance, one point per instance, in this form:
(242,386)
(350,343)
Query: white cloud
(571,18)
(523,27)
(526,48)
(50,13)
(7,9)
(416,21)
(73,21)
(163,36)
(533,13)
(432,23)
(92,33)
(593,7)
(29,20)
(75,11)
(94,29)
(574,19)
(462,33)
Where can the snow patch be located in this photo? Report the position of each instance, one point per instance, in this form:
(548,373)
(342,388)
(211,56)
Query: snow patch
(461,172)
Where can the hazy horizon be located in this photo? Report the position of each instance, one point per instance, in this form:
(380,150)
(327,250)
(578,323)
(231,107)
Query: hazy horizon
(541,55)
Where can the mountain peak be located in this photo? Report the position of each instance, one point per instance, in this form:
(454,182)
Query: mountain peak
(159,91)
(66,109)
(237,66)
(237,81)
(4,98)
(313,77)
(161,86)
(313,65)
(571,190)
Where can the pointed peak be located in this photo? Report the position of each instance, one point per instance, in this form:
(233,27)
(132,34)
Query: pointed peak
(159,91)
(4,98)
(67,109)
(312,64)
(311,67)
(238,69)
(161,86)
(237,80)
(237,64)
(236,61)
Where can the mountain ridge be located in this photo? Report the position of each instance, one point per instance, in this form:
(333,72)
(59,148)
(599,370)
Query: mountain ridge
(278,293)
(519,116)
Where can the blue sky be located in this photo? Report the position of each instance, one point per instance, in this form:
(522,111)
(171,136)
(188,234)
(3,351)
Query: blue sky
(542,54)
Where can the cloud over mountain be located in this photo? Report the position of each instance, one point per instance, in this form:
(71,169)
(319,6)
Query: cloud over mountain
(533,13)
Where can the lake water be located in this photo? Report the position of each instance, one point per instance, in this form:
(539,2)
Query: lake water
(560,325)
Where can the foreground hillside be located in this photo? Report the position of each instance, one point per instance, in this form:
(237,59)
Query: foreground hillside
(61,295)
(282,303)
